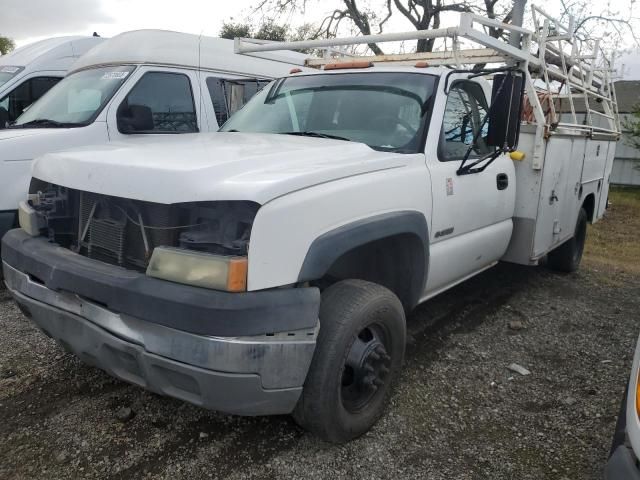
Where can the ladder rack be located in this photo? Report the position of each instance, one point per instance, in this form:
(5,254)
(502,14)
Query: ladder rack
(554,61)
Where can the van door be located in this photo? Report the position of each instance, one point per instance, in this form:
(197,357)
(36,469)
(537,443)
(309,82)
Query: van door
(157,101)
(472,215)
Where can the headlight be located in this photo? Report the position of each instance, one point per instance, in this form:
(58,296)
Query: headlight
(199,269)
(29,219)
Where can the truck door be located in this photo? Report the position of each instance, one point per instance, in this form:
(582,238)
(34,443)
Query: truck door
(471,223)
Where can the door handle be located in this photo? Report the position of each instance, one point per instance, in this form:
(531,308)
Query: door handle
(502,181)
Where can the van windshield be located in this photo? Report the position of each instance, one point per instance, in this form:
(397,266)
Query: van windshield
(7,73)
(385,110)
(76,100)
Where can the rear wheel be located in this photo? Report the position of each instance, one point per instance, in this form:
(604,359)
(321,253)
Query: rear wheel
(566,258)
(358,355)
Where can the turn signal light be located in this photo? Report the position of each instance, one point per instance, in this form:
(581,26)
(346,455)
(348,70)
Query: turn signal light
(638,395)
(422,64)
(295,70)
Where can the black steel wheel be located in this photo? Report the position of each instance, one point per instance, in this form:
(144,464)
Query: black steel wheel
(358,355)
(366,368)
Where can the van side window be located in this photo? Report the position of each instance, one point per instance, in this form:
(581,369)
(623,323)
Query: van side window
(229,96)
(463,115)
(169,100)
(25,94)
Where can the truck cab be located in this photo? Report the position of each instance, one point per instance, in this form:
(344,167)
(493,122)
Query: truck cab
(170,83)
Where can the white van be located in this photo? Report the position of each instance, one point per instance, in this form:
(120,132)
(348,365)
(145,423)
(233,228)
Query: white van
(139,82)
(29,72)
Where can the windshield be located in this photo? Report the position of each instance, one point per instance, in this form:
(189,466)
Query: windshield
(7,73)
(385,110)
(77,99)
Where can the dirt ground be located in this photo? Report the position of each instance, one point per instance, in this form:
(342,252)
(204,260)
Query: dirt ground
(458,412)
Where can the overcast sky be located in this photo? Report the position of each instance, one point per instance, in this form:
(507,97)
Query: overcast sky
(29,20)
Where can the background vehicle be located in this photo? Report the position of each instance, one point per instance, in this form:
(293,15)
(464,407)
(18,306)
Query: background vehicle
(268,267)
(625,449)
(137,83)
(29,72)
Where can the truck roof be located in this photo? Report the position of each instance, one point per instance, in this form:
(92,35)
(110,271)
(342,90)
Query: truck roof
(50,53)
(163,47)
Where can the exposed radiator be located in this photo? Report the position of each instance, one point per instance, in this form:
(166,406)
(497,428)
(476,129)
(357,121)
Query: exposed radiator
(109,229)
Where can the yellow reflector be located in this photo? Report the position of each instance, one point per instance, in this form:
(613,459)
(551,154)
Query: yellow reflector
(517,155)
(199,269)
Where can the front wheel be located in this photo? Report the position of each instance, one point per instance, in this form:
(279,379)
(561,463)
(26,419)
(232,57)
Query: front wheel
(359,353)
(566,258)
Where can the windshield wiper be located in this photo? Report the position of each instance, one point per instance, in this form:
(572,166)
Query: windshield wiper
(44,123)
(315,134)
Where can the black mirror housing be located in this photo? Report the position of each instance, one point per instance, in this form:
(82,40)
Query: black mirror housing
(506,110)
(135,118)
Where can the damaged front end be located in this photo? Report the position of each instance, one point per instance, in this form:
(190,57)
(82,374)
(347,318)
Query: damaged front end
(165,241)
(156,295)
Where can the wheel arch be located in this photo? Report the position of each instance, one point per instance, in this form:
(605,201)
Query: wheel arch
(391,249)
(589,205)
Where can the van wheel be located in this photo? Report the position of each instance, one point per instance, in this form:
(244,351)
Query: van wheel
(566,258)
(358,355)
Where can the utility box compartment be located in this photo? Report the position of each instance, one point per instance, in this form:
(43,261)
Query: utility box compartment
(575,171)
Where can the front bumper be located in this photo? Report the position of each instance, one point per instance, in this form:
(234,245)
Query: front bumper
(191,309)
(243,374)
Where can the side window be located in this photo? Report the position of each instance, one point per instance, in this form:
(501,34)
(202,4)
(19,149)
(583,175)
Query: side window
(25,94)
(167,98)
(465,110)
(229,96)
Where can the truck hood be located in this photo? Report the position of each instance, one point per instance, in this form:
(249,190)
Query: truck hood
(208,167)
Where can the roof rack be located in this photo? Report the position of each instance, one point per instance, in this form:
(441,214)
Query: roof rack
(556,64)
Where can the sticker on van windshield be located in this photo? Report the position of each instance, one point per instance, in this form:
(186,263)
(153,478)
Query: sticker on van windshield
(114,75)
(9,69)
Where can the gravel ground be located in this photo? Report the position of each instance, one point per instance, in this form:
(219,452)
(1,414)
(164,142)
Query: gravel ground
(458,412)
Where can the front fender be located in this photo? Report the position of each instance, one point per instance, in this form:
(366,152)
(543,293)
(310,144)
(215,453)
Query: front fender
(364,207)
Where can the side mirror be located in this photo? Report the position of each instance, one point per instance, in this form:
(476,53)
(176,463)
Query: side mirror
(505,111)
(135,118)
(4,118)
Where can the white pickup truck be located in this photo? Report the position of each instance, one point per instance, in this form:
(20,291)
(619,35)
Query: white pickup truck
(268,268)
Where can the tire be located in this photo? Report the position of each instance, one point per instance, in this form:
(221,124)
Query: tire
(351,375)
(566,258)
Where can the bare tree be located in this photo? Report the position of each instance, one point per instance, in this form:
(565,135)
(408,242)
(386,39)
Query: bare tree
(593,19)
(369,17)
